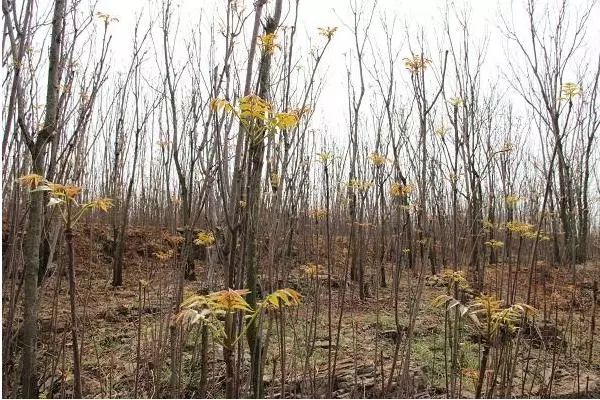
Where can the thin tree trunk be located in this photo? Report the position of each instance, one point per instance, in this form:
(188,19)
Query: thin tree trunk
(72,302)
(33,236)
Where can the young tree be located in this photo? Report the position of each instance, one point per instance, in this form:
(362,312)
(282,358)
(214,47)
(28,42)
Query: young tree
(37,143)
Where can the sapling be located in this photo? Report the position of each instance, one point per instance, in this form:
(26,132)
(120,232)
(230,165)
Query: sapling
(63,198)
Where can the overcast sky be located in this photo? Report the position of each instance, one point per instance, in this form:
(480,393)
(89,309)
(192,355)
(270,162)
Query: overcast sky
(331,116)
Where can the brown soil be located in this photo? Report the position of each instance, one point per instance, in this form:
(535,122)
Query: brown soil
(109,320)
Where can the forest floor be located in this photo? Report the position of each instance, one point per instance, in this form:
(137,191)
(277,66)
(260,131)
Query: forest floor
(112,322)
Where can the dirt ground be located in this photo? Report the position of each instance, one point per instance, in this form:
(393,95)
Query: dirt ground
(112,321)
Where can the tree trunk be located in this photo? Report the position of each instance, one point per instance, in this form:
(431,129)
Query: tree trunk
(33,236)
(31,251)
(117,264)
(72,301)
(256,153)
(482,369)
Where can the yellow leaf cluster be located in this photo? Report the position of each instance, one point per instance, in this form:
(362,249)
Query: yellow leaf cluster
(533,235)
(205,238)
(281,298)
(224,301)
(286,120)
(231,300)
(312,270)
(511,201)
(268,43)
(254,107)
(400,190)
(455,277)
(31,181)
(164,255)
(208,308)
(324,157)
(456,101)
(494,244)
(377,159)
(441,131)
(60,194)
(487,314)
(59,190)
(327,31)
(102,204)
(217,104)
(569,90)
(275,180)
(360,185)
(489,225)
(416,63)
(106,18)
(318,213)
(519,227)
(526,230)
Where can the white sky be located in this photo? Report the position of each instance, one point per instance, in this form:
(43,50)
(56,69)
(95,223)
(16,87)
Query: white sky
(331,116)
(426,14)
(313,14)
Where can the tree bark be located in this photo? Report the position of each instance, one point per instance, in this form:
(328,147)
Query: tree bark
(72,303)
(33,236)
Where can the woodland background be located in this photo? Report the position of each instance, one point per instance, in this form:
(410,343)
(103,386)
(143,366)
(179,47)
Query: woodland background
(201,215)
